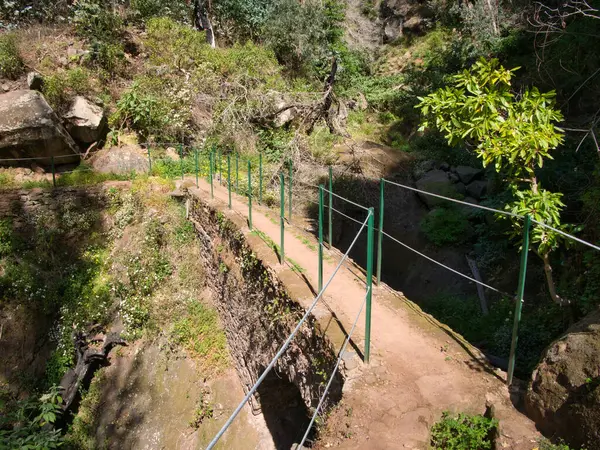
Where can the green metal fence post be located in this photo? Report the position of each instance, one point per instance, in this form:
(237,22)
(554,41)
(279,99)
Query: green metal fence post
(53,172)
(211,166)
(229,178)
(260,179)
(519,301)
(370,225)
(149,161)
(237,173)
(196,164)
(181,159)
(321,198)
(330,222)
(220,166)
(380,235)
(249,195)
(282,214)
(290,192)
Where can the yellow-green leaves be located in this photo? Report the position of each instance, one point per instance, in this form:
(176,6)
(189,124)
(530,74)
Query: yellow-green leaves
(515,133)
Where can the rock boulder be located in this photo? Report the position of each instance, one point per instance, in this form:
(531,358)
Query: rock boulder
(403,16)
(477,189)
(85,121)
(122,160)
(35,81)
(467,174)
(563,397)
(437,182)
(30,129)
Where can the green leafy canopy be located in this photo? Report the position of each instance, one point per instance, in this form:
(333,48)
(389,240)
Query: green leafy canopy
(514,132)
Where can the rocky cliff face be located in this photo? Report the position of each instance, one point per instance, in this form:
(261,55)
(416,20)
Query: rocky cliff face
(564,395)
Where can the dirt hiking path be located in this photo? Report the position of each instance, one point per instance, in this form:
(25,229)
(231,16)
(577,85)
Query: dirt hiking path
(418,368)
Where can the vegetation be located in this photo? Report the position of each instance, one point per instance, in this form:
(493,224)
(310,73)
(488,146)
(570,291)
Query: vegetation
(446,226)
(463,432)
(534,129)
(515,136)
(11,63)
(27,424)
(61,87)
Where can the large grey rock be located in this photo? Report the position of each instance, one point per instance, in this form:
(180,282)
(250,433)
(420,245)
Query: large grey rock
(467,174)
(392,29)
(477,189)
(403,16)
(35,81)
(285,115)
(437,182)
(85,121)
(121,160)
(458,187)
(563,397)
(30,129)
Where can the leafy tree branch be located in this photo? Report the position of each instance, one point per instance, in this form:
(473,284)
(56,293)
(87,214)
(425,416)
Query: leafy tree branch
(515,134)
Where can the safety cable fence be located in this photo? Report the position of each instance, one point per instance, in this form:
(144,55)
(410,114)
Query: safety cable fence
(367,223)
(334,371)
(230,169)
(527,222)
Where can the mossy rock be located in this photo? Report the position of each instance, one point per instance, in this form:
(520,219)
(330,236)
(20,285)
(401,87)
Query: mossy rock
(564,395)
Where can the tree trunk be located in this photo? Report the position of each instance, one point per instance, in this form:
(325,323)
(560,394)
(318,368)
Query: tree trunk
(203,23)
(550,281)
(494,17)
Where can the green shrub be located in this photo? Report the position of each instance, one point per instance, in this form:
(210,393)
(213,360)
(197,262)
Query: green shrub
(147,9)
(274,143)
(27,424)
(61,87)
(11,63)
(6,237)
(446,226)
(95,20)
(175,45)
(199,332)
(107,56)
(143,113)
(462,432)
(302,34)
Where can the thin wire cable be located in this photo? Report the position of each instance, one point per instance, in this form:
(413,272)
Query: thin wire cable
(284,346)
(425,256)
(345,199)
(444,266)
(337,365)
(41,157)
(314,186)
(507,213)
(347,216)
(581,241)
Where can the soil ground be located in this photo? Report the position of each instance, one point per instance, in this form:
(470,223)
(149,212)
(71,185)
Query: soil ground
(418,369)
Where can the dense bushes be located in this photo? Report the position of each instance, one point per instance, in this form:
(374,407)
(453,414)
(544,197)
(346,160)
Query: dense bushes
(447,226)
(60,87)
(103,30)
(303,35)
(540,324)
(11,63)
(27,424)
(146,9)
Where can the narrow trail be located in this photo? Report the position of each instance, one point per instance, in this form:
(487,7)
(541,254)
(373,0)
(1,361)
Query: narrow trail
(417,370)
